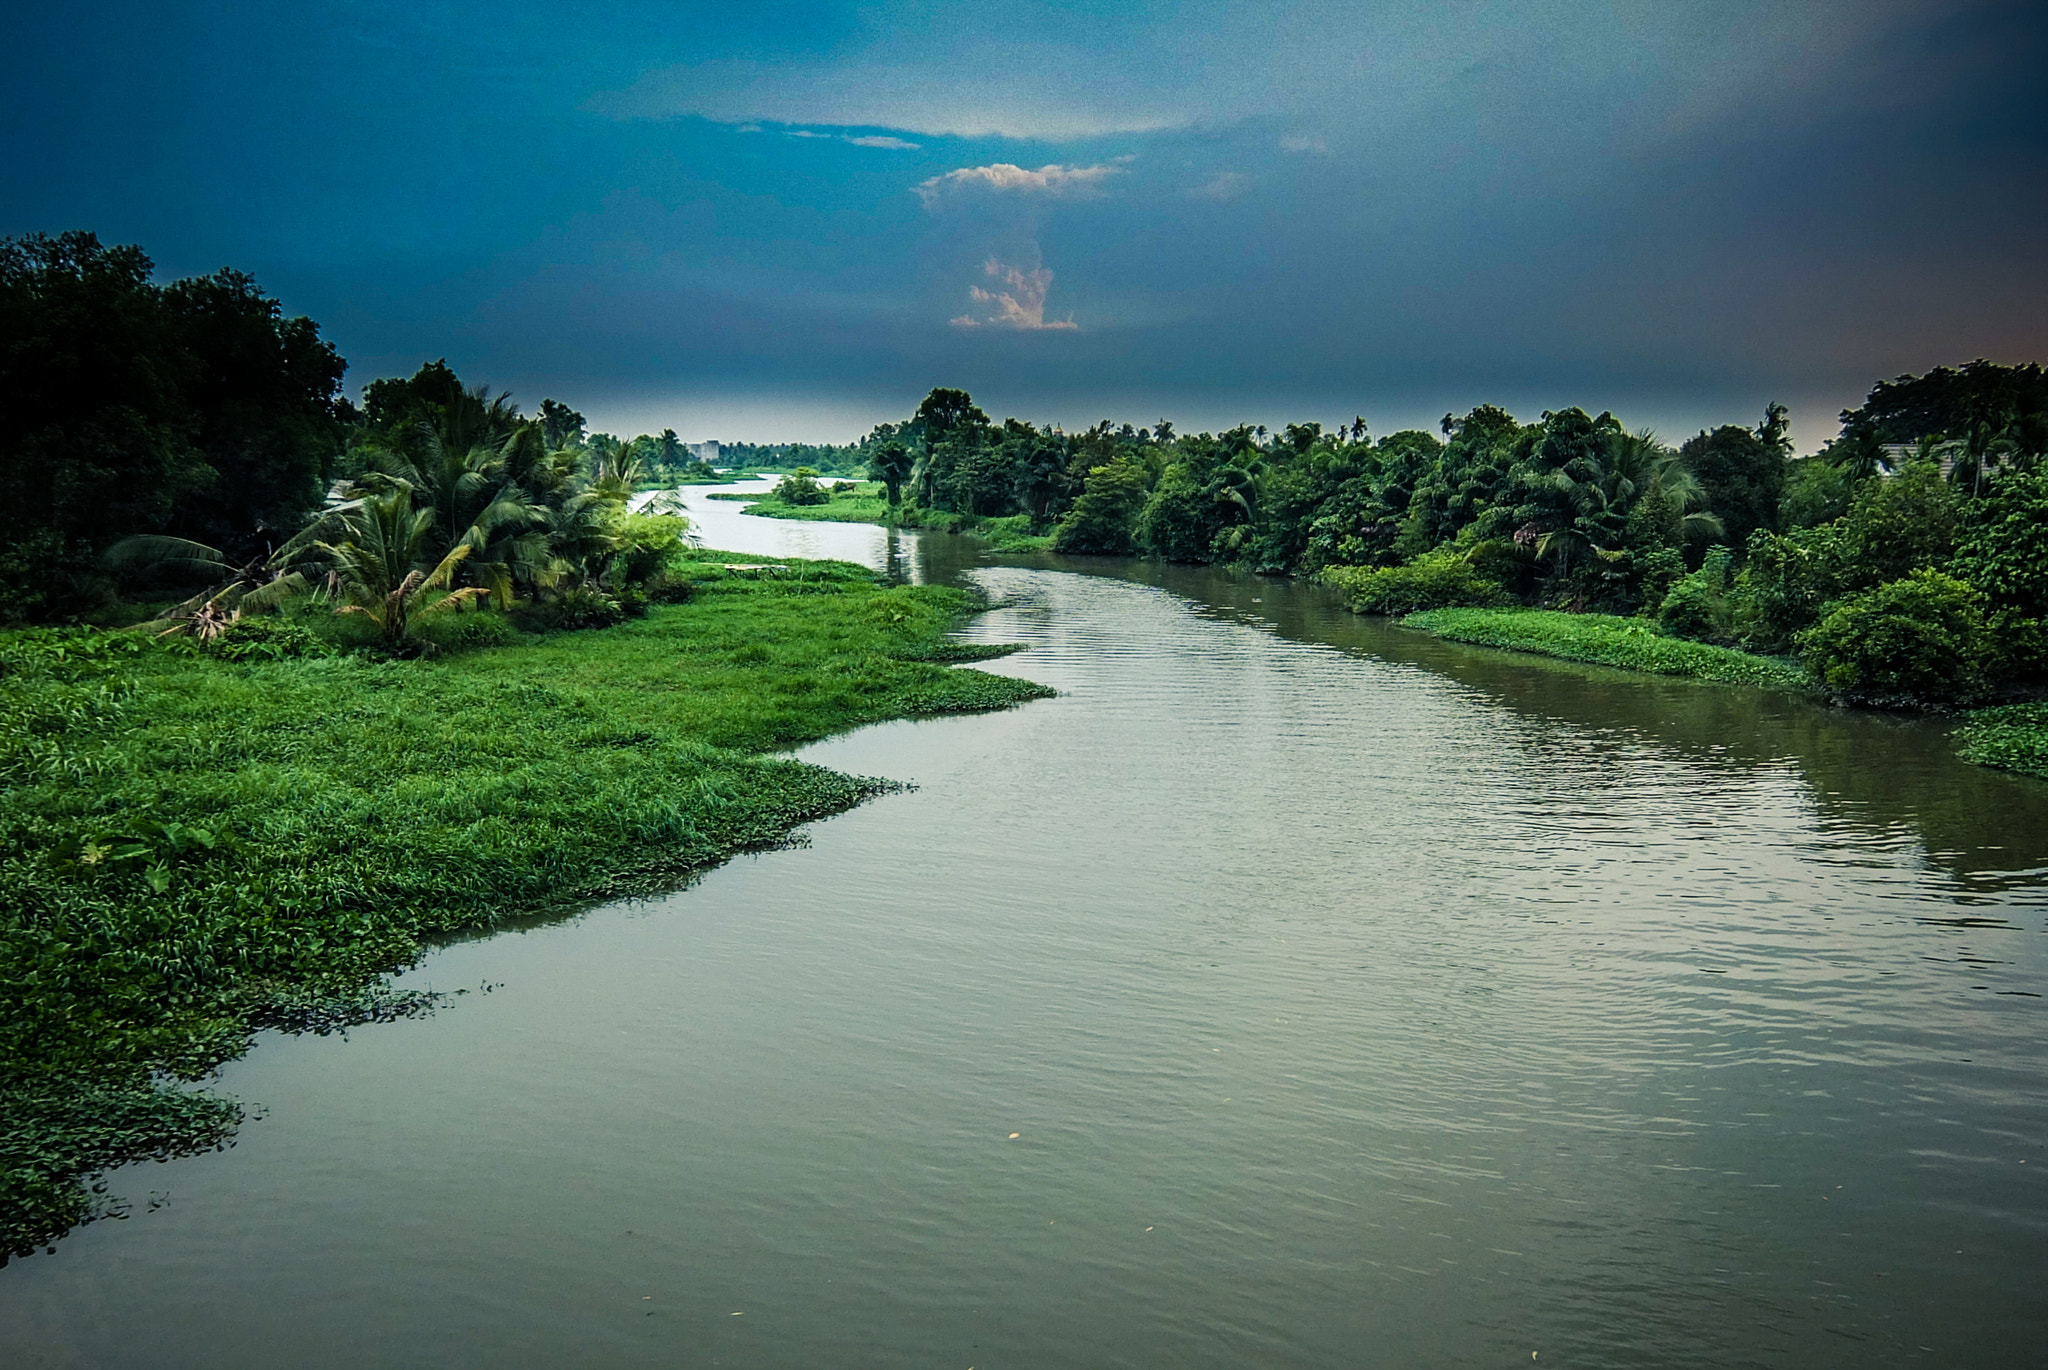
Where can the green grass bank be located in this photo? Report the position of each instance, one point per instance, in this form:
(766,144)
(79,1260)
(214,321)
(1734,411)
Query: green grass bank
(1630,643)
(197,847)
(868,503)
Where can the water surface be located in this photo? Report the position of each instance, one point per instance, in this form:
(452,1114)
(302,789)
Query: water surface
(1354,999)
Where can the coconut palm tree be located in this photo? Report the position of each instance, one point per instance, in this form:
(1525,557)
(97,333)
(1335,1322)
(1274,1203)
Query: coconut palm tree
(379,556)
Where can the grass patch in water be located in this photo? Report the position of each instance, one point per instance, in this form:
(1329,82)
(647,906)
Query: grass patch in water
(867,503)
(195,847)
(2013,737)
(1630,643)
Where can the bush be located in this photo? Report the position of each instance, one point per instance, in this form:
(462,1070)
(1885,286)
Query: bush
(464,632)
(1696,608)
(586,606)
(1691,611)
(1435,580)
(1101,521)
(268,639)
(1919,641)
(801,487)
(1787,583)
(2003,550)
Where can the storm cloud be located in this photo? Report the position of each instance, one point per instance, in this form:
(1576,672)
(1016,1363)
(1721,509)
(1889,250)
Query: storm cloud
(1674,210)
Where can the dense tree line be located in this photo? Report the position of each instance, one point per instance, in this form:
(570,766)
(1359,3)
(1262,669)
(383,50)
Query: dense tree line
(1908,560)
(196,409)
(167,439)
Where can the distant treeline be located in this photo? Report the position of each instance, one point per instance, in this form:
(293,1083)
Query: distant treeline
(826,459)
(1909,557)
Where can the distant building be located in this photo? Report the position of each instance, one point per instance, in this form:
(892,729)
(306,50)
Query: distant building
(704,451)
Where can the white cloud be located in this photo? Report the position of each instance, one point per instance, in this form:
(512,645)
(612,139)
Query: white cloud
(803,133)
(1224,185)
(880,140)
(1058,182)
(1021,306)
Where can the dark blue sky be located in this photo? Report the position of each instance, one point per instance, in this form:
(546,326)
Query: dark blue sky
(791,219)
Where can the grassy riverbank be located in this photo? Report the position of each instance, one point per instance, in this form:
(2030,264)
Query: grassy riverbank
(2013,737)
(1629,643)
(195,847)
(867,503)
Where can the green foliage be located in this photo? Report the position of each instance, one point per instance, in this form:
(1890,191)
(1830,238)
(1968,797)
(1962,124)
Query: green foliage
(2003,546)
(801,487)
(1817,491)
(1913,642)
(195,845)
(1693,611)
(2012,738)
(1899,525)
(1955,403)
(1629,643)
(267,638)
(1696,607)
(1743,474)
(133,407)
(1103,520)
(1437,580)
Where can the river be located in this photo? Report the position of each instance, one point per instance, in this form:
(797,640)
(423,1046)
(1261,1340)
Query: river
(1291,991)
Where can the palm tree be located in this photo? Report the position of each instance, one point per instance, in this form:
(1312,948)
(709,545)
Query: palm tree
(260,583)
(378,557)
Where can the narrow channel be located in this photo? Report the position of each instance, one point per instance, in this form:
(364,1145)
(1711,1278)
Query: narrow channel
(1292,990)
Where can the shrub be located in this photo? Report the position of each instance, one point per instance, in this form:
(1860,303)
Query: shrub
(1787,583)
(801,487)
(1102,518)
(1657,570)
(1436,580)
(252,638)
(2003,550)
(1914,642)
(586,606)
(1692,611)
(463,632)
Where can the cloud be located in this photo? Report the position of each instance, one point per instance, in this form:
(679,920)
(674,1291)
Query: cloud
(1053,181)
(1224,185)
(858,140)
(1302,142)
(1022,306)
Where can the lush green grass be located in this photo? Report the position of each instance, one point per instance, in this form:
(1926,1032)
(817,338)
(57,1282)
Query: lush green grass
(868,504)
(2012,738)
(193,846)
(1630,643)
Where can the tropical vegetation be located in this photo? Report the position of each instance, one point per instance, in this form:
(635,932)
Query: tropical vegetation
(1924,520)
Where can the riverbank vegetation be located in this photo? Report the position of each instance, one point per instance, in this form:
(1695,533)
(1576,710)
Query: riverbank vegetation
(801,495)
(202,839)
(1608,640)
(288,685)
(1902,565)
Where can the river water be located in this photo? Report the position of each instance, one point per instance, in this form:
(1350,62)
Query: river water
(1291,991)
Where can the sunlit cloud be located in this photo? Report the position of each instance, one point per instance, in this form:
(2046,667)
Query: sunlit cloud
(882,140)
(1052,181)
(1020,306)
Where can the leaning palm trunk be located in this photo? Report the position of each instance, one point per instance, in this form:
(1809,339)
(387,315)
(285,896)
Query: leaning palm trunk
(262,583)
